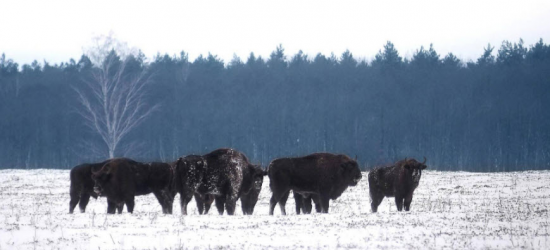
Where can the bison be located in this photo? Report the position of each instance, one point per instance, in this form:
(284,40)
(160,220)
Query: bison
(323,174)
(398,180)
(82,185)
(229,175)
(121,179)
(251,188)
(189,175)
(250,191)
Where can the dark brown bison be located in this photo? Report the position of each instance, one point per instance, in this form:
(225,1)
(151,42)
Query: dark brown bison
(251,188)
(121,179)
(323,174)
(228,177)
(250,191)
(398,180)
(303,203)
(189,175)
(82,185)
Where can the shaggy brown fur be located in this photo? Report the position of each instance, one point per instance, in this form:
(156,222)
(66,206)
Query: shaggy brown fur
(228,177)
(398,180)
(323,174)
(251,188)
(190,171)
(82,185)
(121,179)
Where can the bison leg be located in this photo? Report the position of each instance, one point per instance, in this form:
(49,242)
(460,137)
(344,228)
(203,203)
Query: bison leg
(185,199)
(231,199)
(272,204)
(399,202)
(169,200)
(230,205)
(317,202)
(306,204)
(248,202)
(161,201)
(73,202)
(408,201)
(375,201)
(75,196)
(198,199)
(169,205)
(251,205)
(325,200)
(119,207)
(245,204)
(277,197)
(130,204)
(220,202)
(282,202)
(208,200)
(298,199)
(111,207)
(84,199)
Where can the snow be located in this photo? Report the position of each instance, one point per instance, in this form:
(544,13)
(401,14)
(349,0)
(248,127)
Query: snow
(455,210)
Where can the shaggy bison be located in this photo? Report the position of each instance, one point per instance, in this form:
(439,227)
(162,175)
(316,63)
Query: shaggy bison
(323,174)
(398,180)
(121,179)
(250,191)
(189,174)
(82,185)
(229,175)
(251,188)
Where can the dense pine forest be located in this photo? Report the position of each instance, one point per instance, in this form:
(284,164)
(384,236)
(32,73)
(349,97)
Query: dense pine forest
(491,114)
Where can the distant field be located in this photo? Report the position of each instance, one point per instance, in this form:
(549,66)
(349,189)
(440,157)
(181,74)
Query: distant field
(455,210)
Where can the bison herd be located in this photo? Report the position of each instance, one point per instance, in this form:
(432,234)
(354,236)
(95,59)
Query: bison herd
(224,176)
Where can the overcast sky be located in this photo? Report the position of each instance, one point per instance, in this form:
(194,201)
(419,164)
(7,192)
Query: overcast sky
(56,31)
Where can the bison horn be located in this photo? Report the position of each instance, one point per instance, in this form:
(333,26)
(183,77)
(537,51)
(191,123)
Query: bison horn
(424,160)
(109,168)
(100,170)
(355,157)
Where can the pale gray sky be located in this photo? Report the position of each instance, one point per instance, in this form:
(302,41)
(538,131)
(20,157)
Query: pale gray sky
(58,30)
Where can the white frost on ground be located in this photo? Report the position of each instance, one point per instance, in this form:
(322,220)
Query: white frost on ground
(450,210)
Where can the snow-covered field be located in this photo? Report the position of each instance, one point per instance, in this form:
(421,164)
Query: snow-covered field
(450,210)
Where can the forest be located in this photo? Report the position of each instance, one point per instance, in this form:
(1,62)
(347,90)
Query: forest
(486,115)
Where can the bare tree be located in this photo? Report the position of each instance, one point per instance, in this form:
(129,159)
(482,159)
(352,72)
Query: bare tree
(113,100)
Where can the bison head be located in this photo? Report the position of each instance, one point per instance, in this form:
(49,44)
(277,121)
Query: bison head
(258,176)
(101,178)
(193,162)
(414,168)
(350,170)
(253,178)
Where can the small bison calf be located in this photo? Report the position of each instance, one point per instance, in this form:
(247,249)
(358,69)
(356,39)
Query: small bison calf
(399,181)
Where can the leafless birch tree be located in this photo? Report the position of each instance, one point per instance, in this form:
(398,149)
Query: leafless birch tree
(113,100)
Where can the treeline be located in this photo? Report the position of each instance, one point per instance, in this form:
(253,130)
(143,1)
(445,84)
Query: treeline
(485,115)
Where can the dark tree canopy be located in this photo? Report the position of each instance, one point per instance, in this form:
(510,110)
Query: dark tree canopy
(490,114)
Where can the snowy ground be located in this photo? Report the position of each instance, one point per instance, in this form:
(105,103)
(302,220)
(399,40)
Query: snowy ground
(450,210)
